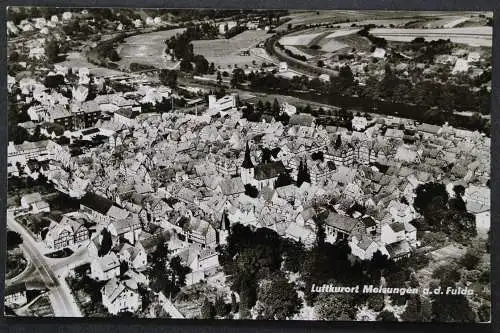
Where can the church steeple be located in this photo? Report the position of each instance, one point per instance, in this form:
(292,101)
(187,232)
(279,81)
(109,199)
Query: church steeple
(247,161)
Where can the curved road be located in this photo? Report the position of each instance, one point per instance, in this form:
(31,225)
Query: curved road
(60,296)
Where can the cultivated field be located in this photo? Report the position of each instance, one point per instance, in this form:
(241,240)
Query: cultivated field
(448,22)
(341,33)
(332,45)
(473,36)
(300,39)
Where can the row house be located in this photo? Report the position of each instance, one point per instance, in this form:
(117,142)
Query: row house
(127,228)
(339,226)
(223,165)
(100,209)
(65,233)
(344,156)
(200,232)
(21,153)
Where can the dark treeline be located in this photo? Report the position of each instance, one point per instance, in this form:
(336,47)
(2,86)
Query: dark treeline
(425,101)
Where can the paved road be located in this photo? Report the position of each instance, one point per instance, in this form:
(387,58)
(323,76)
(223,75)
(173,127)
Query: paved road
(62,301)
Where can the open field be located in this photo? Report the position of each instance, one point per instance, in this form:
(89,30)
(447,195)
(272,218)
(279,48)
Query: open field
(448,22)
(473,36)
(300,39)
(146,48)
(395,22)
(232,46)
(351,16)
(341,33)
(225,52)
(78,60)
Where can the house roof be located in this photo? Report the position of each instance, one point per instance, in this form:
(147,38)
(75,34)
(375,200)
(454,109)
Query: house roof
(96,203)
(117,212)
(398,249)
(108,262)
(344,223)
(126,224)
(115,287)
(428,128)
(32,197)
(232,186)
(269,170)
(365,242)
(397,226)
(300,232)
(369,222)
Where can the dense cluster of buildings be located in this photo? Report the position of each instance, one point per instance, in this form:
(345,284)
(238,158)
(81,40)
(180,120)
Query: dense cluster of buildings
(142,177)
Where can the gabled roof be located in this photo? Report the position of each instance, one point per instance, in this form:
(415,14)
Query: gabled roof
(96,203)
(269,170)
(115,287)
(232,186)
(344,223)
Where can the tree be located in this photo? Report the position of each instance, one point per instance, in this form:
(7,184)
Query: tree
(471,259)
(320,63)
(52,51)
(277,299)
(303,175)
(386,315)
(335,307)
(201,64)
(207,309)
(168,77)
(376,302)
(186,66)
(234,304)
(106,243)
(276,108)
(317,156)
(13,239)
(251,191)
(221,308)
(179,271)
(452,308)
(283,179)
(18,134)
(219,78)
(346,77)
(418,309)
(430,199)
(484,313)
(238,77)
(294,254)
(338,142)
(260,106)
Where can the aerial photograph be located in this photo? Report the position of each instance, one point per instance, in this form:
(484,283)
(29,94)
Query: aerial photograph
(248,164)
